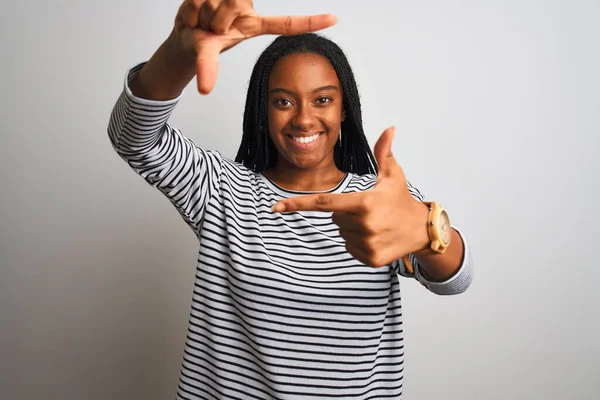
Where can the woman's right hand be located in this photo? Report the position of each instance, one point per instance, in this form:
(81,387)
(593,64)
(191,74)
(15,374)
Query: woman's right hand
(205,28)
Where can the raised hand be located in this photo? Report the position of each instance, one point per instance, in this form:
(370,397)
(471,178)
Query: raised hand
(380,225)
(205,28)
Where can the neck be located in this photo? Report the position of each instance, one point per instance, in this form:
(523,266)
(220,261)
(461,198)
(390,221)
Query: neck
(315,179)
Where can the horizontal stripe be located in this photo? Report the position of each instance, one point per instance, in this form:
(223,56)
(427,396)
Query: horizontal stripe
(279,309)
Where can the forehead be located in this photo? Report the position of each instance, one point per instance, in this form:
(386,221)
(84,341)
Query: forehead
(302,72)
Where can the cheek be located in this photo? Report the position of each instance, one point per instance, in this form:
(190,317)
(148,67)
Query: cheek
(333,121)
(276,121)
(333,116)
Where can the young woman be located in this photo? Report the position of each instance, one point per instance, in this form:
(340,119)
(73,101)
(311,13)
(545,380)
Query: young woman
(303,237)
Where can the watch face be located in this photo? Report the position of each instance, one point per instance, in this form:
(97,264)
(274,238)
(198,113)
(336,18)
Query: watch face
(445,231)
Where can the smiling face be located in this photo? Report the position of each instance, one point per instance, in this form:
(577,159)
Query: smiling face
(304,111)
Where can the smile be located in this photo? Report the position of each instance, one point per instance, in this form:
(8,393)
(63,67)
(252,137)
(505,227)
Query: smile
(306,139)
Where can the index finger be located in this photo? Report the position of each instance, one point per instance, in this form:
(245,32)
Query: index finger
(296,25)
(354,203)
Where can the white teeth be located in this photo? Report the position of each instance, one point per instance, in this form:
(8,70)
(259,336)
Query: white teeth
(302,139)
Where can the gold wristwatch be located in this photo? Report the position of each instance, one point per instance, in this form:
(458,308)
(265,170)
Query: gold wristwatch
(439,230)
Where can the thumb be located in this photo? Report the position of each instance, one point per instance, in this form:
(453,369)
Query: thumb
(383,152)
(207,65)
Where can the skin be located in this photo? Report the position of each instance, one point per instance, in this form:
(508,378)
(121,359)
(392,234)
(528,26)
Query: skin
(204,29)
(380,225)
(385,223)
(305,99)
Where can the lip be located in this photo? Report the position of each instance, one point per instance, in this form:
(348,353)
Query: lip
(304,146)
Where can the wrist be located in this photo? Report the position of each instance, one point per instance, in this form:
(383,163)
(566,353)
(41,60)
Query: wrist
(420,229)
(177,54)
(166,74)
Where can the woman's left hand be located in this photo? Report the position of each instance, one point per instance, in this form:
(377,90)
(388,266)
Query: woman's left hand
(380,225)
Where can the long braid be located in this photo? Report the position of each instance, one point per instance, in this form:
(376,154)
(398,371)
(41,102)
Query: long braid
(257,150)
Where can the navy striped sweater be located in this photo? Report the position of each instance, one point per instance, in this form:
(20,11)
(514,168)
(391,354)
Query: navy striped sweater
(280,309)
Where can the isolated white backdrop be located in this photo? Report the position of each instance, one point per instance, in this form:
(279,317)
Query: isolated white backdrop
(496,105)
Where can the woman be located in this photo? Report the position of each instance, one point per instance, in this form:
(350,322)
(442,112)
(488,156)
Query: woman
(303,237)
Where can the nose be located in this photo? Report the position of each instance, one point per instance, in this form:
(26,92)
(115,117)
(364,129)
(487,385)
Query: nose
(304,118)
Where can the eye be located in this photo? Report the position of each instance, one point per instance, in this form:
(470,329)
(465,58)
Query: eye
(283,103)
(324,100)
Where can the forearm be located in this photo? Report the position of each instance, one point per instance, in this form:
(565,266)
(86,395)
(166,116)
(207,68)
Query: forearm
(166,74)
(438,267)
(161,154)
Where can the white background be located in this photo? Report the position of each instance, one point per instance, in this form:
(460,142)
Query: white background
(497,109)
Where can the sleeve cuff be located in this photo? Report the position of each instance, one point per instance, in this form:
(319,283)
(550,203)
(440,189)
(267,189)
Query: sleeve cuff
(457,283)
(131,73)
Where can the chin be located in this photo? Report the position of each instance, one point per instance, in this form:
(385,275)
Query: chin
(305,162)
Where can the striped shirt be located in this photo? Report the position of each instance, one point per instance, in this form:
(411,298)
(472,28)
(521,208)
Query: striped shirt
(280,309)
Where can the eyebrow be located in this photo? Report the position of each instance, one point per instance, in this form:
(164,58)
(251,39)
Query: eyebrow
(319,89)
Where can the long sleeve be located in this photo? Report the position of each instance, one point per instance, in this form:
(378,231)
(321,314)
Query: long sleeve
(187,175)
(457,283)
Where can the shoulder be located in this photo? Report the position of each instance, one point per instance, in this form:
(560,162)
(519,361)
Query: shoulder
(238,172)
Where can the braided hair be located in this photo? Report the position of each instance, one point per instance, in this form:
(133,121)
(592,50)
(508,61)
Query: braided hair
(257,151)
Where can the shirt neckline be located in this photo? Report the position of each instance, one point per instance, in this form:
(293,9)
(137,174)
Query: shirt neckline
(339,188)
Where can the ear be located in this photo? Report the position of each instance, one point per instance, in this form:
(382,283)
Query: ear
(343,118)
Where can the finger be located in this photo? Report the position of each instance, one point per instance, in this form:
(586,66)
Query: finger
(383,152)
(206,14)
(367,256)
(207,64)
(223,18)
(357,253)
(348,222)
(335,202)
(369,244)
(190,11)
(296,25)
(361,254)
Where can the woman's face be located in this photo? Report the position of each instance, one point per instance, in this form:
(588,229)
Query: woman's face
(304,110)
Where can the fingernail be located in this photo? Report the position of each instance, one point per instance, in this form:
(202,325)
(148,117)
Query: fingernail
(278,207)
